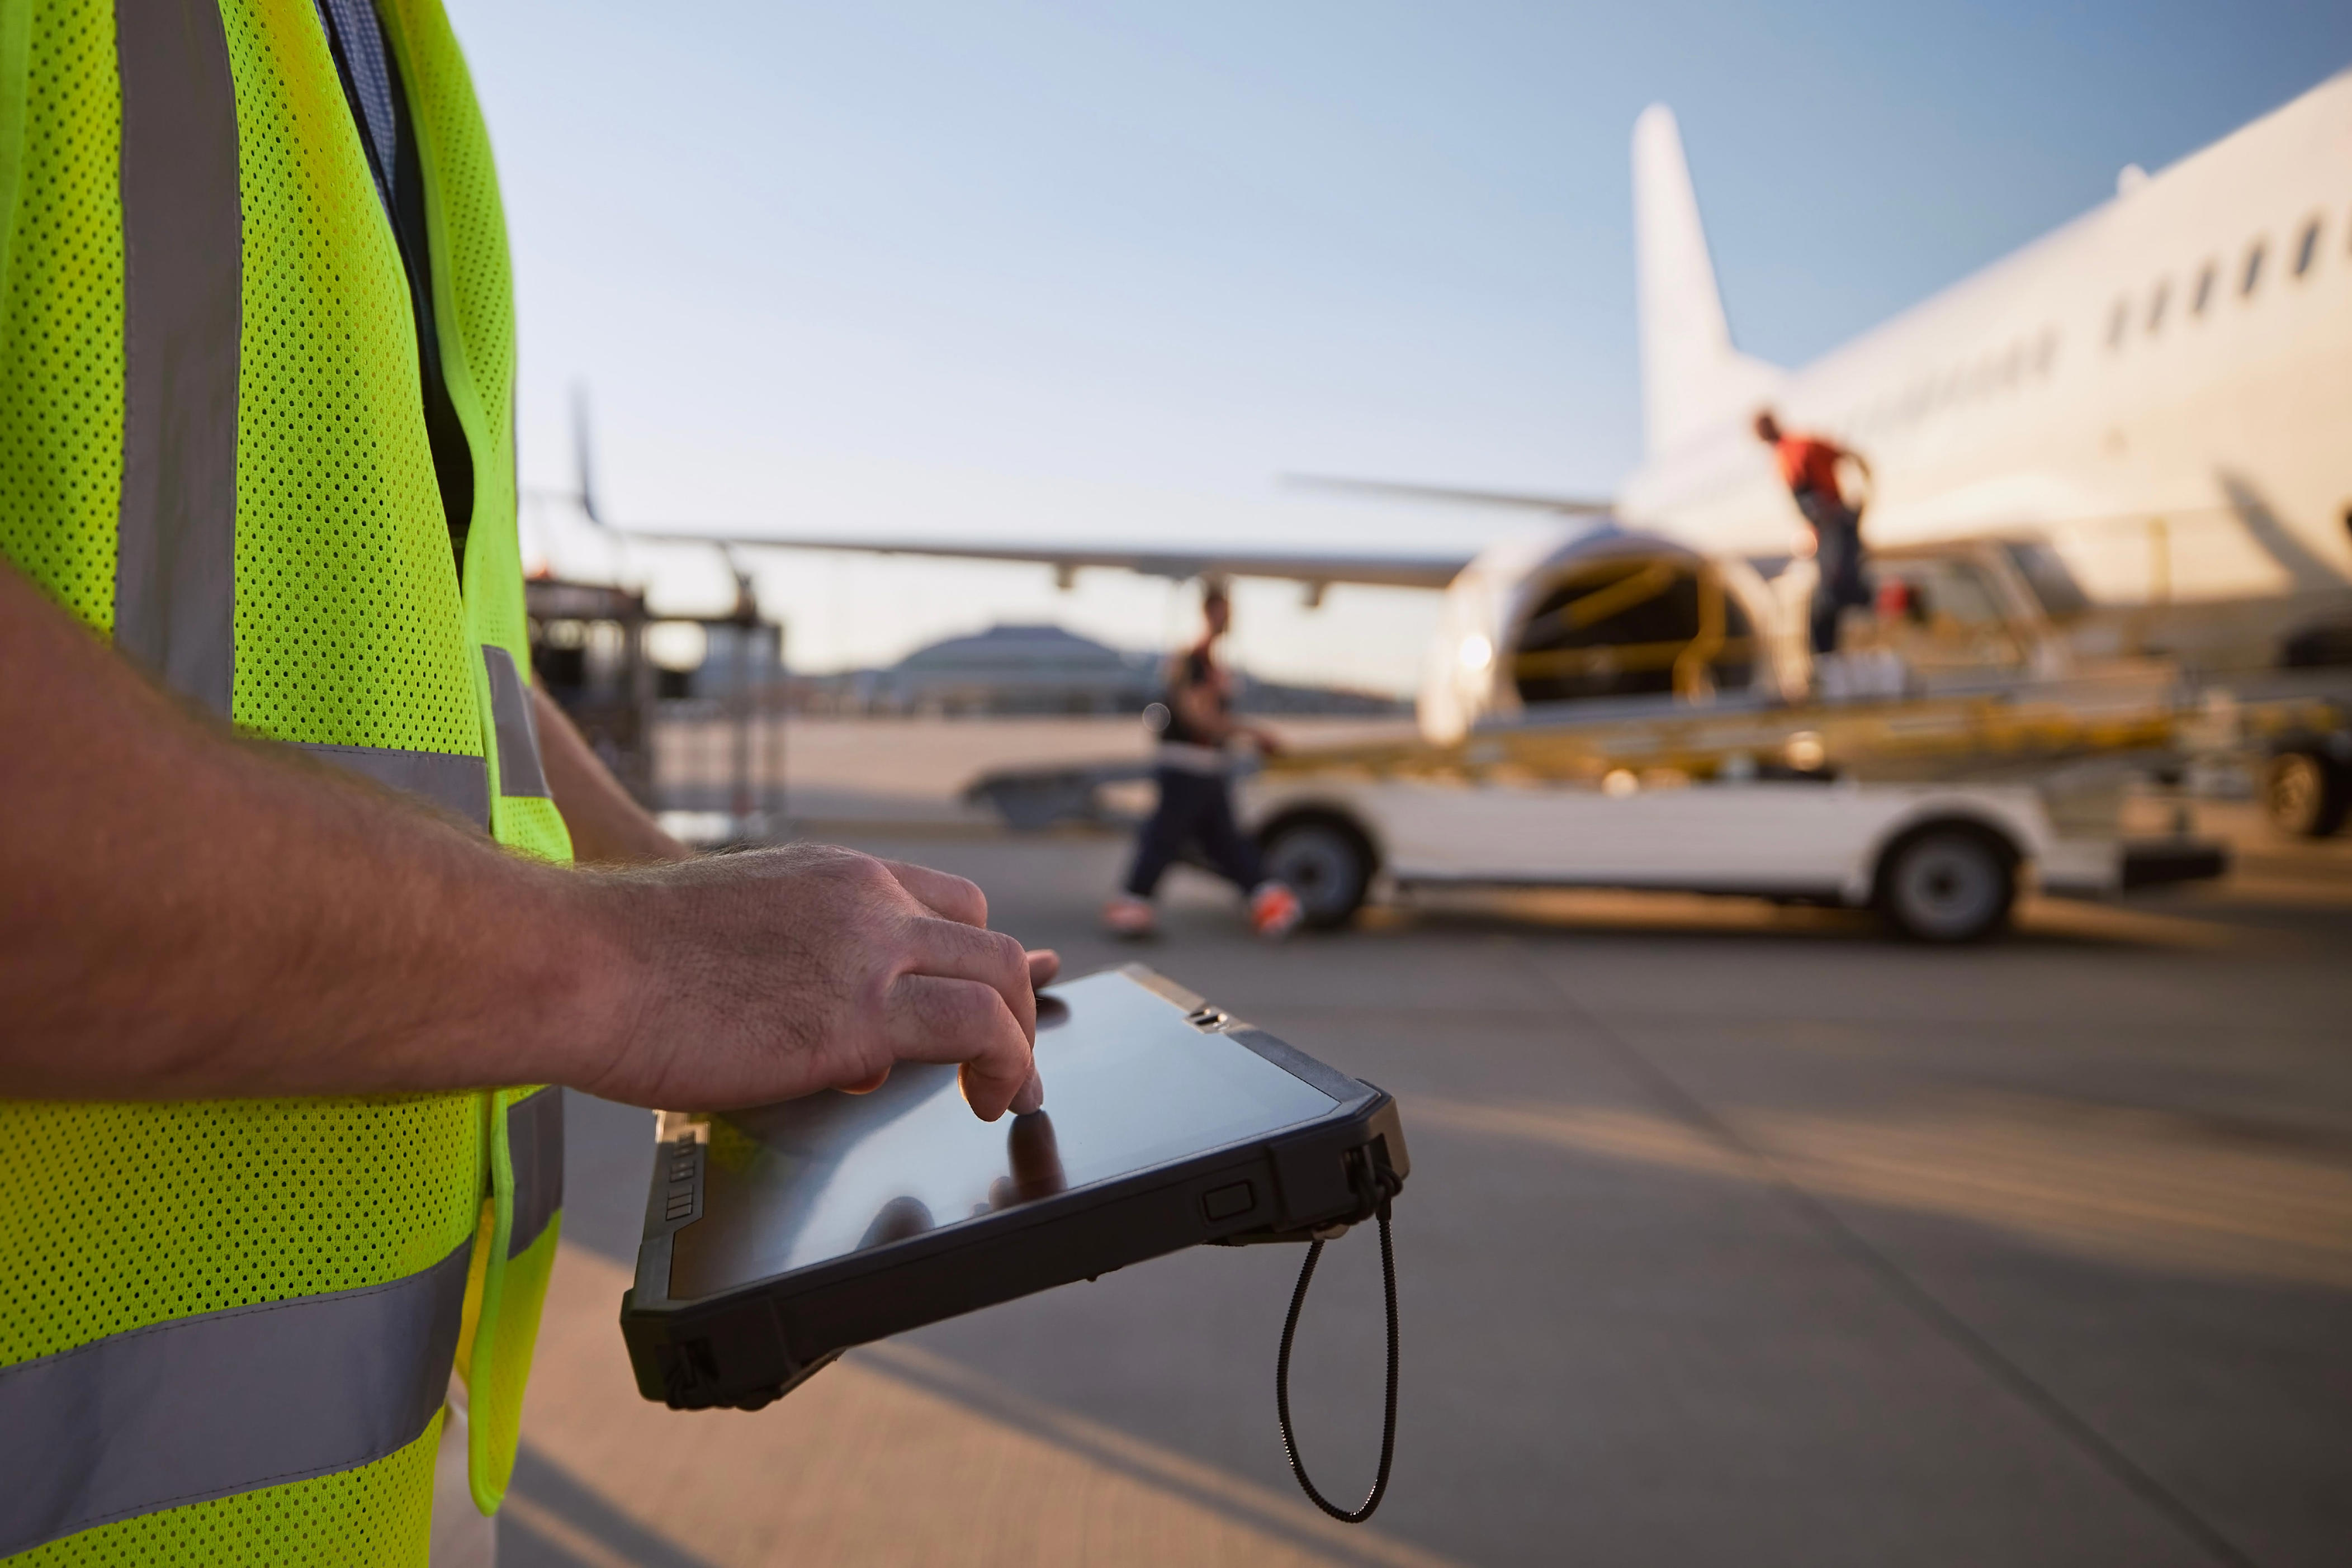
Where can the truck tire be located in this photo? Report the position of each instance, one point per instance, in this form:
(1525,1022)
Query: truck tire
(1326,860)
(1950,881)
(2306,794)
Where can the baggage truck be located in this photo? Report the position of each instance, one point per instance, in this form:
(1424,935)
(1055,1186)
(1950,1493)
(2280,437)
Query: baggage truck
(1938,861)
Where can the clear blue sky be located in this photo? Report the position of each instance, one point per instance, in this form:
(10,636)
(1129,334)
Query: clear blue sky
(1106,269)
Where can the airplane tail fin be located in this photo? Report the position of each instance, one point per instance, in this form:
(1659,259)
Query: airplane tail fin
(1691,375)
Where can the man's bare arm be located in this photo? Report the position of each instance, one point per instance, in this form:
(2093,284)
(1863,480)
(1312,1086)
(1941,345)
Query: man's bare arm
(184,914)
(608,827)
(1208,720)
(1202,715)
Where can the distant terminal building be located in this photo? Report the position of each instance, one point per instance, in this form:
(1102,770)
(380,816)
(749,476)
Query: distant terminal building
(1013,670)
(1042,670)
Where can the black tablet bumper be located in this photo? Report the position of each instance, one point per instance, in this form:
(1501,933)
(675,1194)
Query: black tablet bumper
(745,1348)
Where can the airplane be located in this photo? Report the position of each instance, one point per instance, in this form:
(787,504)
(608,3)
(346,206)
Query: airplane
(2133,426)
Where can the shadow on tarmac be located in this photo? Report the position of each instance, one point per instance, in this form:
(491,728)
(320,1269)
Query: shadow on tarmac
(1735,1233)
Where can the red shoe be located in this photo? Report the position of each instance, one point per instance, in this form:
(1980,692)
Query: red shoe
(1275,910)
(1129,916)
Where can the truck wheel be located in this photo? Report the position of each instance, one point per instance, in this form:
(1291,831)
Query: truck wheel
(1326,861)
(2307,793)
(1954,883)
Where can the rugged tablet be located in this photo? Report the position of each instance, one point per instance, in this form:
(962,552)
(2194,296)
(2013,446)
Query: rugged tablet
(778,1237)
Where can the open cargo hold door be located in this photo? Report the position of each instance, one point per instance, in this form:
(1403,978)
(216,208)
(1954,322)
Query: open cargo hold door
(1634,625)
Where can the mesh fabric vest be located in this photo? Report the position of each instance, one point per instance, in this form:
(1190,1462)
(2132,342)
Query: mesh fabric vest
(225,1327)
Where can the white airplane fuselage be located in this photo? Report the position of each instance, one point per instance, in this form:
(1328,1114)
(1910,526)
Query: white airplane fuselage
(2161,390)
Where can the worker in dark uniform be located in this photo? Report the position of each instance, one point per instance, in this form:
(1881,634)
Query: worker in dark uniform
(1194,769)
(1809,467)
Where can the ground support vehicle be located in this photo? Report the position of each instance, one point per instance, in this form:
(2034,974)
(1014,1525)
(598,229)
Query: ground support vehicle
(1934,811)
(2308,789)
(1939,862)
(1030,799)
(2288,735)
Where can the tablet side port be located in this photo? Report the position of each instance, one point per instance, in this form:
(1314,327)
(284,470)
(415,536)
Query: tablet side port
(675,1200)
(1324,1191)
(677,1359)
(1230,1201)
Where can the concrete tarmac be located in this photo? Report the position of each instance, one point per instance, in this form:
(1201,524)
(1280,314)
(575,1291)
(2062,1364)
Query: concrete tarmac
(1735,1235)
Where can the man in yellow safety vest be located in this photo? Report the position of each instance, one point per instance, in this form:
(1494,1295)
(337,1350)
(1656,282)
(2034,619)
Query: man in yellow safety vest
(292,950)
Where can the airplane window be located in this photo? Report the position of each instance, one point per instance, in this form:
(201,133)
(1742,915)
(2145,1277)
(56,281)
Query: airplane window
(2253,269)
(2308,249)
(2117,322)
(2046,353)
(2156,306)
(2204,289)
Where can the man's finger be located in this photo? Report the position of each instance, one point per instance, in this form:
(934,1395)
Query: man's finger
(1044,965)
(929,1019)
(947,950)
(943,892)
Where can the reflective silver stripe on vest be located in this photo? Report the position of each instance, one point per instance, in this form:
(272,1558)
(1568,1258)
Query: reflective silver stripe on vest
(224,1403)
(182,250)
(520,772)
(535,1153)
(458,785)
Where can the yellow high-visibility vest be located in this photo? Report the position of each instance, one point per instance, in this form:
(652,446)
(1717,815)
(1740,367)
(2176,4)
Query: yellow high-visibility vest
(225,1328)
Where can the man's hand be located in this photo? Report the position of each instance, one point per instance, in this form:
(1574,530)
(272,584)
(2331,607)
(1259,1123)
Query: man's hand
(184,914)
(770,974)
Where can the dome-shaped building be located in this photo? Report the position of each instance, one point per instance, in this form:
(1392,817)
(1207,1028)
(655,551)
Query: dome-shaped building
(1016,669)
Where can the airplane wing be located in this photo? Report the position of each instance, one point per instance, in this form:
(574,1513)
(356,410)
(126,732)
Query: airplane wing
(1518,500)
(1416,568)
(1403,569)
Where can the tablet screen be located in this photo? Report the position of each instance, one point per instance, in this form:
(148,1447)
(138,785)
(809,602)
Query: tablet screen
(1130,1085)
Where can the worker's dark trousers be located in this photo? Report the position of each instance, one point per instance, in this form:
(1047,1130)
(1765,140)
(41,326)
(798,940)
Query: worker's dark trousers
(1839,581)
(1195,809)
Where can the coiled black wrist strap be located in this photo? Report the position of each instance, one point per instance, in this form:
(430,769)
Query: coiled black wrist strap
(1281,1378)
